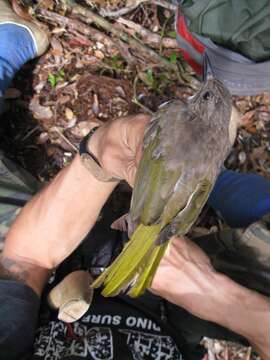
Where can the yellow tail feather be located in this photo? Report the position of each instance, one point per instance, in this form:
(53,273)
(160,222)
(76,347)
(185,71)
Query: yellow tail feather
(148,271)
(127,265)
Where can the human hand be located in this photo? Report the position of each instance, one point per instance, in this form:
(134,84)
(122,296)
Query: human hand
(186,278)
(117,145)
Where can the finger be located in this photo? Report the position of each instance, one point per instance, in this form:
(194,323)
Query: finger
(130,173)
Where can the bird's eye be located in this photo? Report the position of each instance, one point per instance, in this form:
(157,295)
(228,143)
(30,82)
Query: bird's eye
(207,95)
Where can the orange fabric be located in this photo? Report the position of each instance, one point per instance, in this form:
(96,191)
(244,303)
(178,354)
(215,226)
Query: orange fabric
(195,66)
(184,33)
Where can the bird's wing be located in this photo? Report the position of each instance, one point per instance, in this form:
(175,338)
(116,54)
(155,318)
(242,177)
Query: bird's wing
(154,182)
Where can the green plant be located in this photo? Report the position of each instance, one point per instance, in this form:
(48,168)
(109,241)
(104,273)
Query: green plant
(116,62)
(172,34)
(55,78)
(173,57)
(155,81)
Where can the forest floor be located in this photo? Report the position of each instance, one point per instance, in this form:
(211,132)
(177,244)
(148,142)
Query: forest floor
(105,61)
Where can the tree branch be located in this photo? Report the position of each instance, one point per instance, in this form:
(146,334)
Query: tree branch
(150,38)
(114,14)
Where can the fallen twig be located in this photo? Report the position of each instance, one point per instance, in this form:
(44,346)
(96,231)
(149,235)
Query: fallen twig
(75,25)
(249,351)
(31,132)
(58,131)
(114,14)
(150,38)
(165,4)
(135,99)
(137,45)
(120,12)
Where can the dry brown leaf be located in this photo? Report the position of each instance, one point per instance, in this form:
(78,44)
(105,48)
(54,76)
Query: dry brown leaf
(79,41)
(63,99)
(43,138)
(69,114)
(83,128)
(57,48)
(247,119)
(266,98)
(40,112)
(20,10)
(99,54)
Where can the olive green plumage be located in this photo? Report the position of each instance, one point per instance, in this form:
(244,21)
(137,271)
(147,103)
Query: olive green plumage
(184,148)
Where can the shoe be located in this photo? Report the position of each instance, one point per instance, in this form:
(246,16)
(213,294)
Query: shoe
(8,16)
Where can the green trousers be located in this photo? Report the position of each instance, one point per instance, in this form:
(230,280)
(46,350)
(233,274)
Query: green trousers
(17,186)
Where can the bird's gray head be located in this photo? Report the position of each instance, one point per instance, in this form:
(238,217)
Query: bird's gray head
(213,102)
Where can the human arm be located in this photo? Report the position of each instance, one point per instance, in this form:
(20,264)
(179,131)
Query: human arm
(56,220)
(186,278)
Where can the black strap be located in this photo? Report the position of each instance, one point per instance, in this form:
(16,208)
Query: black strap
(11,201)
(83,144)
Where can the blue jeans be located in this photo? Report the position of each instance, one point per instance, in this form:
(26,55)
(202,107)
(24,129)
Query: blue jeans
(16,48)
(240,199)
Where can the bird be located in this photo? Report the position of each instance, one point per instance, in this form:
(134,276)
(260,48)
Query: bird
(184,148)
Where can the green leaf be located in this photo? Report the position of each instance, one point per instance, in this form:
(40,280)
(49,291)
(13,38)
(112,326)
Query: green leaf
(55,78)
(52,80)
(150,77)
(61,73)
(173,58)
(116,62)
(172,34)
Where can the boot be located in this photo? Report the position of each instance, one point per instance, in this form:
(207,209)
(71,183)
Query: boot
(39,36)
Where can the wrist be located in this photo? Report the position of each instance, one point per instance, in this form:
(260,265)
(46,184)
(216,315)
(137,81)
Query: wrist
(95,158)
(94,143)
(12,267)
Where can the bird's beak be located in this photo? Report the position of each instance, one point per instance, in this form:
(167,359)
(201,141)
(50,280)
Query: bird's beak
(208,72)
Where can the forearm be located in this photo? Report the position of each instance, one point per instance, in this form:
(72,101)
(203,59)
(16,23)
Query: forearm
(218,299)
(59,216)
(245,312)
(54,222)
(186,278)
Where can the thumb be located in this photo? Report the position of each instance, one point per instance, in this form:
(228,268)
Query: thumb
(130,173)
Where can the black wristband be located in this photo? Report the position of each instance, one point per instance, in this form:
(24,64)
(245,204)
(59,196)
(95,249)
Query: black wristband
(83,144)
(91,162)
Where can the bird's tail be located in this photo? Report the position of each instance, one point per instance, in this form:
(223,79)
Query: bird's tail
(135,267)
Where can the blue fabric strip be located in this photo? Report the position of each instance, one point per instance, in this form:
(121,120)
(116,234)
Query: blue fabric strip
(16,48)
(241,199)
